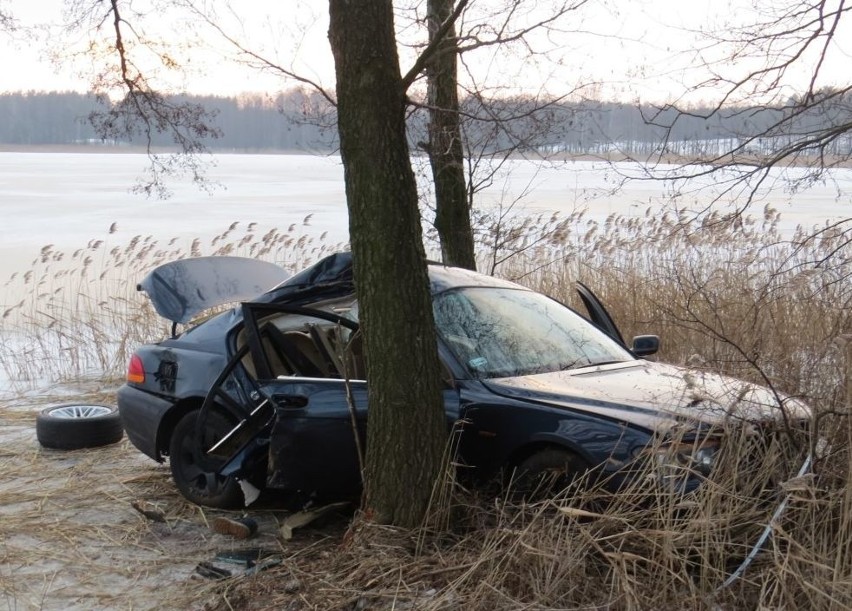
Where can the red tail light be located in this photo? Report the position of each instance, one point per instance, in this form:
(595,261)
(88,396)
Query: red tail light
(135,370)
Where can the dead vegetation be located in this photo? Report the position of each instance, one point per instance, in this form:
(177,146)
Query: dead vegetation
(725,294)
(74,316)
(639,549)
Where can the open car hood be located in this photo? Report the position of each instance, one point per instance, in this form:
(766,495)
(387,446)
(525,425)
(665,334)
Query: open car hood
(182,289)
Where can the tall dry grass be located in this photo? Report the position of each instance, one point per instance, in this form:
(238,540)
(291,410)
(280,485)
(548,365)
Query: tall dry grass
(78,315)
(731,293)
(725,294)
(643,547)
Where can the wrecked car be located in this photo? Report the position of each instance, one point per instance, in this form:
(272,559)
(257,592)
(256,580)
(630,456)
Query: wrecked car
(267,394)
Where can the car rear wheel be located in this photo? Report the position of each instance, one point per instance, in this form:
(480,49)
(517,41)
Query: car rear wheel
(546,473)
(198,483)
(77,426)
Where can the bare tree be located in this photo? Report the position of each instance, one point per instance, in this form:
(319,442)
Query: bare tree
(446,155)
(406,408)
(774,67)
(407,428)
(468,145)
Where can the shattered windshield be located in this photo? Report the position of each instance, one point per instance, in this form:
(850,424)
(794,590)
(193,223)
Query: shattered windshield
(511,332)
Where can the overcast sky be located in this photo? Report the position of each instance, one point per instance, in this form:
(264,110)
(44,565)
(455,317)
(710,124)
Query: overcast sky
(635,49)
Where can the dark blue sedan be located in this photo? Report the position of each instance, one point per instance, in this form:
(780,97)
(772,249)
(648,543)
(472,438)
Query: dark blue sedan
(269,394)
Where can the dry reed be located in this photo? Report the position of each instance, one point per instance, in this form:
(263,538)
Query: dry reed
(77,316)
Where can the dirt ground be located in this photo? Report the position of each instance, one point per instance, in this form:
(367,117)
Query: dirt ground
(71,539)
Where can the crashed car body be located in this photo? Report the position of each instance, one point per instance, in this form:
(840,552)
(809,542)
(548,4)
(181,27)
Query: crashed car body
(268,394)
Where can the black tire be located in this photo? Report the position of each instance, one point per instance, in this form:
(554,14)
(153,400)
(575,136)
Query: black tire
(78,426)
(197,483)
(546,473)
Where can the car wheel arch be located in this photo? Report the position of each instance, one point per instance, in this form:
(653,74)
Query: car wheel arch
(170,420)
(530,449)
(198,483)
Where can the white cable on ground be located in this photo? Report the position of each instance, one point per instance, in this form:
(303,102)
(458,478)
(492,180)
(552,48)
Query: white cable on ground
(765,534)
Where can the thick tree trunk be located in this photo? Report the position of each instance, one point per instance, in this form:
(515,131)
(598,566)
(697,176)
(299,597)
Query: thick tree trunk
(446,155)
(406,430)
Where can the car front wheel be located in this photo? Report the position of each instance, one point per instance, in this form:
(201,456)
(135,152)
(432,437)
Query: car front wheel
(546,473)
(196,482)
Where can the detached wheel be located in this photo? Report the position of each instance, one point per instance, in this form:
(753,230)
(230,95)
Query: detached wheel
(196,482)
(546,473)
(77,426)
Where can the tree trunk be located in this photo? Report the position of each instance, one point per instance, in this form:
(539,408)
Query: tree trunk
(406,430)
(446,155)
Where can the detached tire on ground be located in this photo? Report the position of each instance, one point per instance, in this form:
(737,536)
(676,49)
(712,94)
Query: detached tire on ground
(77,426)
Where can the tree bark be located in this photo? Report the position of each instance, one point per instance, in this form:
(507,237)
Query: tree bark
(406,429)
(446,154)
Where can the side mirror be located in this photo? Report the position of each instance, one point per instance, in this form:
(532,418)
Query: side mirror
(645,345)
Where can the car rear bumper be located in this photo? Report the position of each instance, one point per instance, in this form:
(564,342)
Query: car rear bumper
(141,413)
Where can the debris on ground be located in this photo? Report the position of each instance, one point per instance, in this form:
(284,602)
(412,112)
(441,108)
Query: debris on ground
(235,563)
(149,510)
(307,516)
(239,528)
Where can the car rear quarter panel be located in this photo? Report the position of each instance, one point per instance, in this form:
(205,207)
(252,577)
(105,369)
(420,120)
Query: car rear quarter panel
(177,378)
(141,414)
(179,371)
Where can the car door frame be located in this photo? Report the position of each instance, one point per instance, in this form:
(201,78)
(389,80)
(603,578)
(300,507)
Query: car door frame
(598,314)
(236,450)
(641,346)
(299,473)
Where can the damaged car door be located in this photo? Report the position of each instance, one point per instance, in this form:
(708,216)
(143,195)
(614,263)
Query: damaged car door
(294,388)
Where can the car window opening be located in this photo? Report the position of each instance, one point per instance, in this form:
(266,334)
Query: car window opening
(295,347)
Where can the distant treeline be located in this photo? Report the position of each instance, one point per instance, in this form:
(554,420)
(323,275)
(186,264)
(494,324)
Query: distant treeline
(300,121)
(288,122)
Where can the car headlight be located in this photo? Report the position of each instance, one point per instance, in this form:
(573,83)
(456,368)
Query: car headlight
(683,459)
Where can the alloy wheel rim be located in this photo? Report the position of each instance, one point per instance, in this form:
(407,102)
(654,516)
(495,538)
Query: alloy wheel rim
(72,412)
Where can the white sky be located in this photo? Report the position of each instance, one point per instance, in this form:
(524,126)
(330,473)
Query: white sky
(634,48)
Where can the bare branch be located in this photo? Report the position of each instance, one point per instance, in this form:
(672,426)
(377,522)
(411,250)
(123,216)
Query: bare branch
(144,110)
(487,35)
(433,46)
(263,61)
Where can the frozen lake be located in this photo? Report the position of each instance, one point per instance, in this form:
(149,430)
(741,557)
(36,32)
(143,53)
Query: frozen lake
(67,199)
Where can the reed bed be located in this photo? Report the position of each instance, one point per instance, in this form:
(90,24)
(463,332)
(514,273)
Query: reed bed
(77,316)
(726,294)
(641,548)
